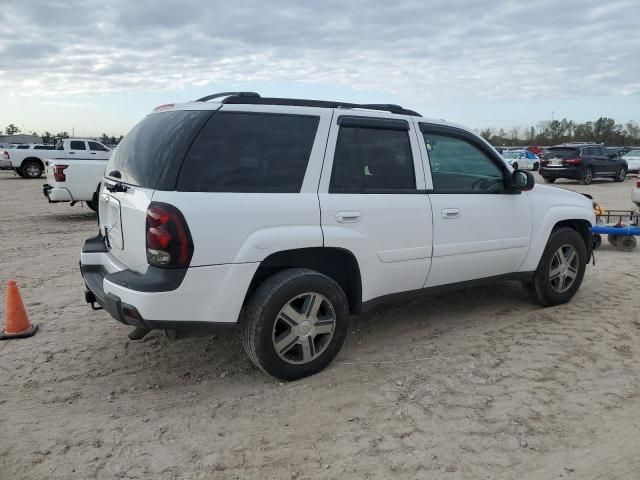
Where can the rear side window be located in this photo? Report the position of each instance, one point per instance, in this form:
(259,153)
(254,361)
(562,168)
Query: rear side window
(151,153)
(372,160)
(22,147)
(76,145)
(250,152)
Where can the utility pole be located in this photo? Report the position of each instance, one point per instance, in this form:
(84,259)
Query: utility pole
(552,113)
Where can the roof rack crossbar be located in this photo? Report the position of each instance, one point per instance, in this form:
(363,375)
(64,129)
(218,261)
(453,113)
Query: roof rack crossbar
(227,94)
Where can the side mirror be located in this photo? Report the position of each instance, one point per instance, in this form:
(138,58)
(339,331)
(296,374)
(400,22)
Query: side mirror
(522,181)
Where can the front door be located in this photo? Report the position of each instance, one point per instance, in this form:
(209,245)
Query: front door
(373,201)
(97,151)
(480,229)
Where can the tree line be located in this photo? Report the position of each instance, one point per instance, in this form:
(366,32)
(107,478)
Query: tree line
(603,130)
(52,138)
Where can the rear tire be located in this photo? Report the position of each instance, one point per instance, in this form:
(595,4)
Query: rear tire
(92,204)
(31,169)
(295,323)
(536,166)
(549,179)
(561,268)
(587,176)
(620,175)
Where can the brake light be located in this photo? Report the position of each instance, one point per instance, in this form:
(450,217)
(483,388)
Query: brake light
(169,241)
(544,163)
(58,173)
(5,155)
(638,184)
(572,161)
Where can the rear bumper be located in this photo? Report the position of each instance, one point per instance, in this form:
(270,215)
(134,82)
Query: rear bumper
(564,172)
(195,298)
(56,194)
(6,165)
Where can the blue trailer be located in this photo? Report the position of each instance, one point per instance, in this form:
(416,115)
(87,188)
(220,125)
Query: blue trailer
(620,226)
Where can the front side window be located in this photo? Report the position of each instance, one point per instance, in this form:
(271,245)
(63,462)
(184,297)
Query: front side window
(372,160)
(458,165)
(97,147)
(250,152)
(76,145)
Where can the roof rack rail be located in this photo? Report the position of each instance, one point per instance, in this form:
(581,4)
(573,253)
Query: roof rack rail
(252,98)
(227,94)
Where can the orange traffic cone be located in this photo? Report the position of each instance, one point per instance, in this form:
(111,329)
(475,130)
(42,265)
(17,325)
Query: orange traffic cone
(17,323)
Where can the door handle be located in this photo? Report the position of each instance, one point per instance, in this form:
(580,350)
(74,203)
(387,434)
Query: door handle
(72,153)
(449,213)
(93,153)
(348,217)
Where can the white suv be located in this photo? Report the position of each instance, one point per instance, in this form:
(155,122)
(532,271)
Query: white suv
(286,216)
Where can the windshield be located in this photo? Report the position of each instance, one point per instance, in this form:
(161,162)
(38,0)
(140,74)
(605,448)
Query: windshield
(511,155)
(563,152)
(632,153)
(150,155)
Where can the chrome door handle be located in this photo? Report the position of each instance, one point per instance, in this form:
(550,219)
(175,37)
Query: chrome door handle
(449,213)
(348,217)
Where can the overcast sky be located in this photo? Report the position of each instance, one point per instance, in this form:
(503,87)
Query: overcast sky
(100,66)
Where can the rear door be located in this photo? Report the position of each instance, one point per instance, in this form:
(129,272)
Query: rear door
(373,201)
(77,149)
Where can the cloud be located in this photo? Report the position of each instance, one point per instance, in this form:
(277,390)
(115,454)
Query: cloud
(434,51)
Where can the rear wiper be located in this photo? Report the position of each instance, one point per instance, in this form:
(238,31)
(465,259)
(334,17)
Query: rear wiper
(118,186)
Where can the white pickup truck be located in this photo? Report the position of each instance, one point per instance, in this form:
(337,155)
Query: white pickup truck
(75,170)
(30,162)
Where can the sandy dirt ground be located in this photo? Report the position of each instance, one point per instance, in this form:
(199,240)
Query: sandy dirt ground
(474,384)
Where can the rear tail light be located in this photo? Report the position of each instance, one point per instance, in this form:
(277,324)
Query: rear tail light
(169,241)
(58,173)
(5,155)
(544,163)
(638,184)
(572,161)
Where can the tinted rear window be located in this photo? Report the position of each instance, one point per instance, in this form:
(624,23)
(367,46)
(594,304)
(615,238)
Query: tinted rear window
(562,153)
(151,153)
(250,152)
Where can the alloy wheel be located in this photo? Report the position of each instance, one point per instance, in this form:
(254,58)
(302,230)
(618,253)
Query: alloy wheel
(564,268)
(304,328)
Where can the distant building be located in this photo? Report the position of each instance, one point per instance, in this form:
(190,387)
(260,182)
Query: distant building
(20,138)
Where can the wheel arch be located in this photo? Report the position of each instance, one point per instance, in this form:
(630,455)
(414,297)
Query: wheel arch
(336,263)
(32,159)
(577,218)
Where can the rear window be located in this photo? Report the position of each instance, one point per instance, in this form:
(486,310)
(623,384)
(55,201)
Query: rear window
(151,153)
(562,153)
(250,152)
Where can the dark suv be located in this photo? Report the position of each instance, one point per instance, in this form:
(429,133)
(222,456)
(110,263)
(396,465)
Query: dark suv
(582,162)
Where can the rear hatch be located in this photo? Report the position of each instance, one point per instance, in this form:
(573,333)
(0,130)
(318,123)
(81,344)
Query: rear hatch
(555,156)
(148,158)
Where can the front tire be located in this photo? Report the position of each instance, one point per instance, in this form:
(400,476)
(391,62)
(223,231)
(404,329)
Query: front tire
(621,175)
(31,169)
(561,268)
(295,323)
